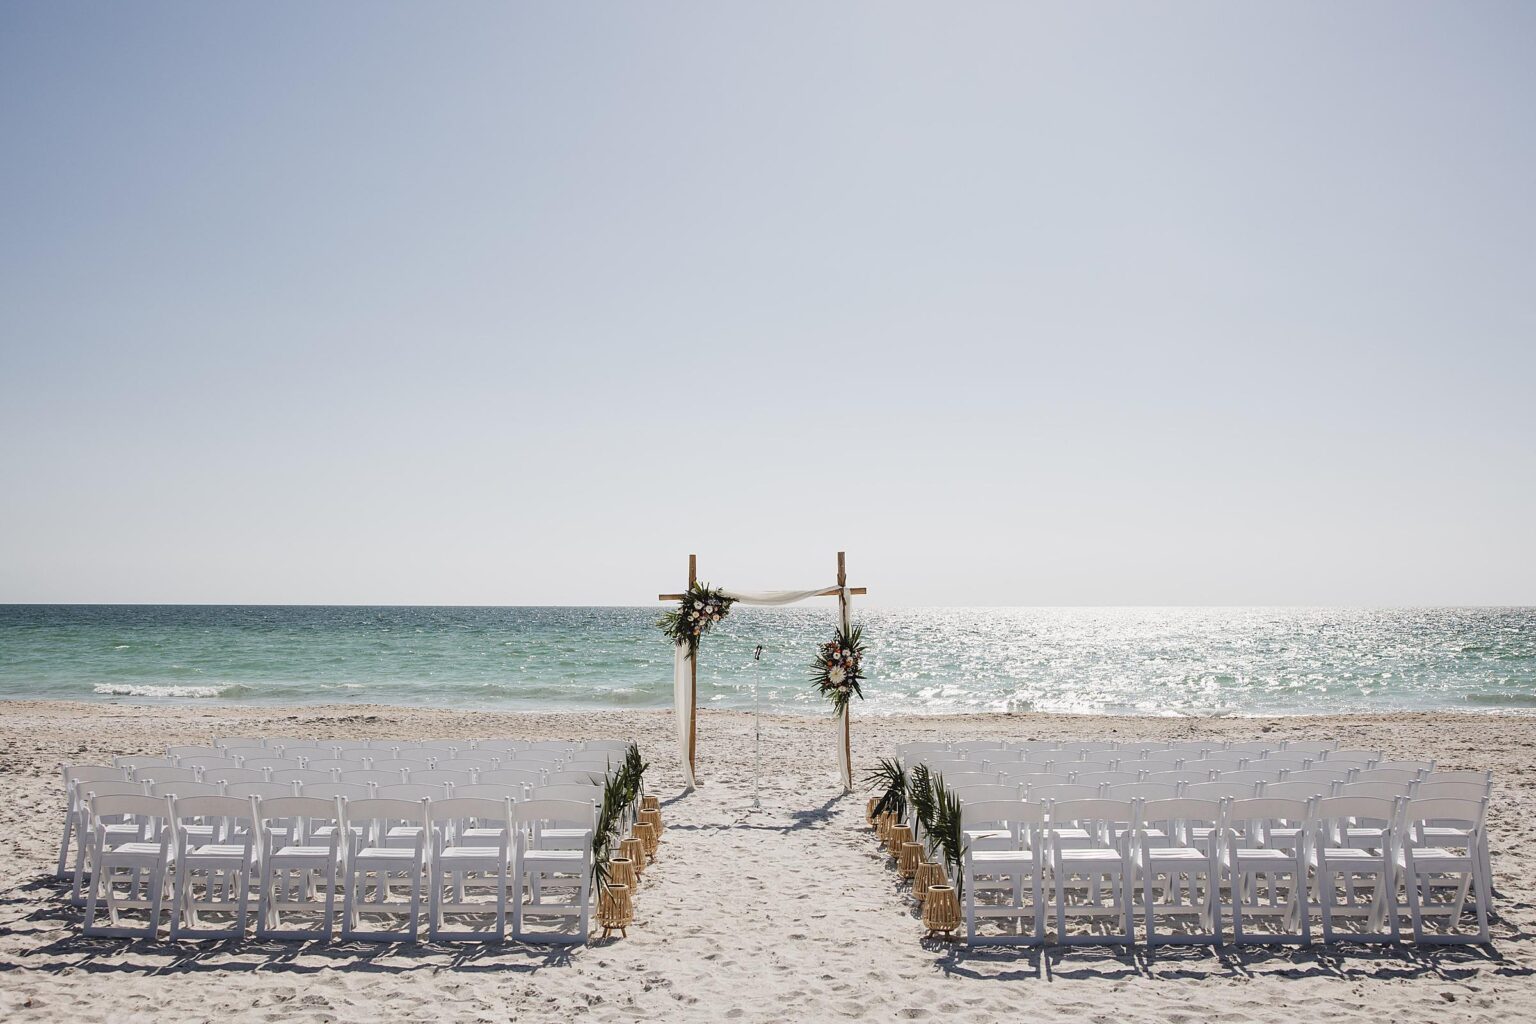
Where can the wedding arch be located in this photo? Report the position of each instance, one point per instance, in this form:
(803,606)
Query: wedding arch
(699,607)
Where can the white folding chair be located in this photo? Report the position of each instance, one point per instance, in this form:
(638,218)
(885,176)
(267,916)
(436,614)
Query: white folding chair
(384,863)
(560,867)
(1091,882)
(139,863)
(211,877)
(1265,881)
(1442,845)
(472,846)
(1004,869)
(1347,867)
(1180,877)
(74,804)
(118,828)
(296,866)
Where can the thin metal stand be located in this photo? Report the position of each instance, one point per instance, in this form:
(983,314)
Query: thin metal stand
(757,728)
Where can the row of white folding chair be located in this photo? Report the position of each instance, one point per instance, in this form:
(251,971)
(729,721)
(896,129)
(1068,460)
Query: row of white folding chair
(339,771)
(227,864)
(356,785)
(1262,847)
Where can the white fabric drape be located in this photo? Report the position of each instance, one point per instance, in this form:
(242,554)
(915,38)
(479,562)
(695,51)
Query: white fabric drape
(682,702)
(777,597)
(844,755)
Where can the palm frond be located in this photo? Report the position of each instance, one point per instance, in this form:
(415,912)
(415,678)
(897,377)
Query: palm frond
(947,831)
(890,781)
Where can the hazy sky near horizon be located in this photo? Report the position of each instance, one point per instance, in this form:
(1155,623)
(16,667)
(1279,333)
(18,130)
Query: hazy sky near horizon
(1077,303)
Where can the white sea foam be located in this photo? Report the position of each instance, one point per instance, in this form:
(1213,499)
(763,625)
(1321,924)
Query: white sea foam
(173,692)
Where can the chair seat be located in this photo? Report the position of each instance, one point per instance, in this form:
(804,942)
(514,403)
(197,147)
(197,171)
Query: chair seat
(553,856)
(981,835)
(1257,854)
(564,834)
(482,833)
(1099,855)
(1351,853)
(321,853)
(122,829)
(218,851)
(1445,832)
(1365,834)
(405,832)
(1072,835)
(390,853)
(1435,858)
(1002,857)
(134,850)
(1170,854)
(472,853)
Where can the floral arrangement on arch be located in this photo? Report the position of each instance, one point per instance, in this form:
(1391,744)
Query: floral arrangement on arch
(839,668)
(699,609)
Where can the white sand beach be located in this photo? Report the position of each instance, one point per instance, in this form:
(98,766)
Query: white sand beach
(786,914)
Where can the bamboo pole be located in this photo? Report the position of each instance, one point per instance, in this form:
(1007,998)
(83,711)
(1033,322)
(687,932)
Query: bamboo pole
(842,618)
(693,683)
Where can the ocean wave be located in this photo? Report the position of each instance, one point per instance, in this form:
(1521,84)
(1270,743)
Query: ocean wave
(171,692)
(1507,699)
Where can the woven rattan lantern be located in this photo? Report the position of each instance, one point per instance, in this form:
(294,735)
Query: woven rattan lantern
(911,857)
(869,810)
(652,818)
(615,910)
(634,850)
(929,873)
(900,836)
(621,871)
(941,911)
(650,803)
(646,833)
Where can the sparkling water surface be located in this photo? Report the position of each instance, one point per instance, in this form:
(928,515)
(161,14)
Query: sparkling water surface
(935,660)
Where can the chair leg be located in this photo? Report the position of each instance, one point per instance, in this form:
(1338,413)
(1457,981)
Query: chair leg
(69,828)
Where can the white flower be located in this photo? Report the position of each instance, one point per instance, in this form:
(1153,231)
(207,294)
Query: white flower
(716,618)
(835,675)
(698,604)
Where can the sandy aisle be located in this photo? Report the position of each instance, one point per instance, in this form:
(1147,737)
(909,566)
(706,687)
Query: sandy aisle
(784,914)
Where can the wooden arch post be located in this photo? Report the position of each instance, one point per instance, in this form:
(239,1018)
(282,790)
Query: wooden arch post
(842,621)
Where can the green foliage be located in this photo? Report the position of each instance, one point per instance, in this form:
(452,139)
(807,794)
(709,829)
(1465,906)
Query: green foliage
(889,780)
(839,667)
(700,608)
(947,832)
(621,792)
(924,803)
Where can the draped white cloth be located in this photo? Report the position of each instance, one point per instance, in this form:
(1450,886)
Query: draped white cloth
(682,675)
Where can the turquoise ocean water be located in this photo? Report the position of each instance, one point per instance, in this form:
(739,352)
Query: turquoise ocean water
(1108,660)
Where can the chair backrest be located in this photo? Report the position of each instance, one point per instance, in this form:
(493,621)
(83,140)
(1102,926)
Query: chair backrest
(1249,775)
(511,776)
(464,812)
(415,791)
(1321,776)
(468,764)
(1442,811)
(570,778)
(1096,816)
(246,753)
(227,810)
(1275,762)
(185,789)
(1403,776)
(491,791)
(1105,778)
(1297,790)
(1173,778)
(331,790)
(971,746)
(1015,814)
(1251,822)
(359,755)
(285,808)
(1221,790)
(1381,790)
(382,812)
(74,774)
(1093,763)
(412,764)
(374,776)
(1334,815)
(580,792)
(1460,775)
(110,787)
(1364,757)
(909,751)
(150,813)
(303,775)
(436,777)
(1434,789)
(1179,816)
(1150,766)
(499,745)
(1312,748)
(1021,771)
(206,761)
(135,761)
(950,766)
(1405,766)
(537,814)
(234,775)
(246,790)
(1058,791)
(160,773)
(972,778)
(1140,791)
(973,794)
(344,745)
(330,764)
(1255,748)
(270,763)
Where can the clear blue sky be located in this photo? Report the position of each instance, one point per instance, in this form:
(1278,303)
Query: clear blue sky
(1018,303)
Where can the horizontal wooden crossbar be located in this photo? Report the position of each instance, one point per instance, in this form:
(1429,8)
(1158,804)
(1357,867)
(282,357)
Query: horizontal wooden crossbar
(855,591)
